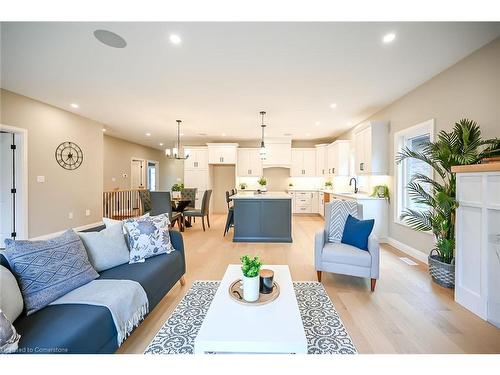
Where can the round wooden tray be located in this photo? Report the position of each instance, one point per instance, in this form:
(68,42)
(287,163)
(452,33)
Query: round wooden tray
(236,293)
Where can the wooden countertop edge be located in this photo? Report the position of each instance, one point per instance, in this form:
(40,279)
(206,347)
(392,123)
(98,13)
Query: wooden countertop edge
(487,167)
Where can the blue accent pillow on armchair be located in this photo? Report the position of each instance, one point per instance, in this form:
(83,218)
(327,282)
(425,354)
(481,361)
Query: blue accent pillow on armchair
(356,232)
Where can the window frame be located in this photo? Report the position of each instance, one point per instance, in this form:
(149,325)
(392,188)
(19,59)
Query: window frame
(400,138)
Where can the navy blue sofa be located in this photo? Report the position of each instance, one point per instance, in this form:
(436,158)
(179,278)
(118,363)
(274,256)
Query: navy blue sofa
(75,328)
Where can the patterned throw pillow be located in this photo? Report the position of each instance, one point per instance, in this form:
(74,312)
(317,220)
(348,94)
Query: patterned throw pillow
(9,339)
(47,270)
(339,212)
(147,237)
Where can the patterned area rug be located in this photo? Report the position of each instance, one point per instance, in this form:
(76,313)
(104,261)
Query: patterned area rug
(325,332)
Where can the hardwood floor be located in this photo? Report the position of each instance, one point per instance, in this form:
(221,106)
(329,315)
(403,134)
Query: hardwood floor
(407,313)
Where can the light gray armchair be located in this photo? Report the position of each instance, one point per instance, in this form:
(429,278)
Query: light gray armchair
(346,259)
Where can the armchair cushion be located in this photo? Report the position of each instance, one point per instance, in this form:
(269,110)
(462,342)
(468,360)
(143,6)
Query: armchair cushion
(339,211)
(356,232)
(346,254)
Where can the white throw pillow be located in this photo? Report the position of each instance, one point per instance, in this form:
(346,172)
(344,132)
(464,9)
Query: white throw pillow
(11,299)
(148,237)
(339,212)
(9,339)
(106,249)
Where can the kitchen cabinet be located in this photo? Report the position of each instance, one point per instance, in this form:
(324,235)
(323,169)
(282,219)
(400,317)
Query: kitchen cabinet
(321,169)
(477,254)
(371,149)
(303,162)
(249,163)
(278,152)
(304,202)
(337,158)
(222,153)
(321,204)
(198,158)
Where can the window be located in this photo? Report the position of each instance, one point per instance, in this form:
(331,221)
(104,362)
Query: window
(414,138)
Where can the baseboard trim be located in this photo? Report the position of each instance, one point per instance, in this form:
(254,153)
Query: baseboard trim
(55,234)
(422,257)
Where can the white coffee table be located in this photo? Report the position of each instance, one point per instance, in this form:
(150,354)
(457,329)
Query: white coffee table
(230,327)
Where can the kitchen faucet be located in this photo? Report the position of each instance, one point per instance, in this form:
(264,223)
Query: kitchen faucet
(355,184)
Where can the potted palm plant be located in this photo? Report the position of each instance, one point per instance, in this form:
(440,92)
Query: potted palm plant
(462,146)
(250,267)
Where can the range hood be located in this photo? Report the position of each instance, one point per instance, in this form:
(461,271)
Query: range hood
(279,153)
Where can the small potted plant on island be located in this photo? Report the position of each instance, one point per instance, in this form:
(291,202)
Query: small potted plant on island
(250,267)
(243,185)
(381,191)
(262,182)
(176,190)
(328,185)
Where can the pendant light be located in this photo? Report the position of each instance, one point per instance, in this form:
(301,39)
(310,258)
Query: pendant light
(174,153)
(263,151)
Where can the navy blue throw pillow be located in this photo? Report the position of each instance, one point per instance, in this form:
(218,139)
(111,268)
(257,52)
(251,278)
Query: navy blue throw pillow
(356,232)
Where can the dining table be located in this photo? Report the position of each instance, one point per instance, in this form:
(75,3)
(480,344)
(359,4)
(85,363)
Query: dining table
(180,205)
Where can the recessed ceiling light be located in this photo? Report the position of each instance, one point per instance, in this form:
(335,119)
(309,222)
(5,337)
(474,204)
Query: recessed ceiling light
(148,134)
(110,39)
(161,144)
(181,134)
(175,39)
(103,129)
(308,134)
(223,134)
(389,38)
(318,123)
(74,105)
(333,105)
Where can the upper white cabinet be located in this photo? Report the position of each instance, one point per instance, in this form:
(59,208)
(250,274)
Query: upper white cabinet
(249,163)
(222,153)
(279,152)
(321,169)
(303,162)
(198,158)
(337,158)
(371,147)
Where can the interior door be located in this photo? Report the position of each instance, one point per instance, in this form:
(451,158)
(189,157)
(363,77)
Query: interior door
(138,174)
(5,186)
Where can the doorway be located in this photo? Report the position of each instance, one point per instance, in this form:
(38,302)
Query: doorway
(145,174)
(223,179)
(13,185)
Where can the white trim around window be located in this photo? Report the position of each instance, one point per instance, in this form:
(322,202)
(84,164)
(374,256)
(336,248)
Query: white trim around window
(400,139)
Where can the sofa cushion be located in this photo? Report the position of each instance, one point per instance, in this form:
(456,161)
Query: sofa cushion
(11,300)
(67,328)
(339,212)
(346,254)
(148,237)
(106,249)
(156,275)
(356,232)
(47,270)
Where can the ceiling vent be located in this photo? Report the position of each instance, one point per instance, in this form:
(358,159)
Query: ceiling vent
(110,39)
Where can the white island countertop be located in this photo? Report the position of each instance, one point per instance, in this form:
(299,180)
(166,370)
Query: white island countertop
(264,195)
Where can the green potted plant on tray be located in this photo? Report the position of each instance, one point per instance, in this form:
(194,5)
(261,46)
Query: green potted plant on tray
(381,191)
(462,146)
(250,267)
(243,185)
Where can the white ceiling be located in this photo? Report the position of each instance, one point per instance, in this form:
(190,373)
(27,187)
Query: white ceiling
(222,74)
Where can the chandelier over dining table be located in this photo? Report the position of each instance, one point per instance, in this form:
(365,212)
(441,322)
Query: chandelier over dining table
(175,152)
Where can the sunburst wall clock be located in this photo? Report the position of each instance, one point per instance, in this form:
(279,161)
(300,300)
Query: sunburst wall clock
(69,155)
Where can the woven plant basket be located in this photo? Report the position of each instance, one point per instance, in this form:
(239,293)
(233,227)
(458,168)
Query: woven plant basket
(442,273)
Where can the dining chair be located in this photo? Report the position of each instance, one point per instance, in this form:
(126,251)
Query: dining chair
(189,193)
(230,214)
(204,211)
(161,203)
(145,198)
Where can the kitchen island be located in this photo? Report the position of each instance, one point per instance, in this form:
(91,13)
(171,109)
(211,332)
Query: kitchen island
(265,217)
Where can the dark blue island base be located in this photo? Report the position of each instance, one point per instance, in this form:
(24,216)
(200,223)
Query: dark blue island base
(262,219)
